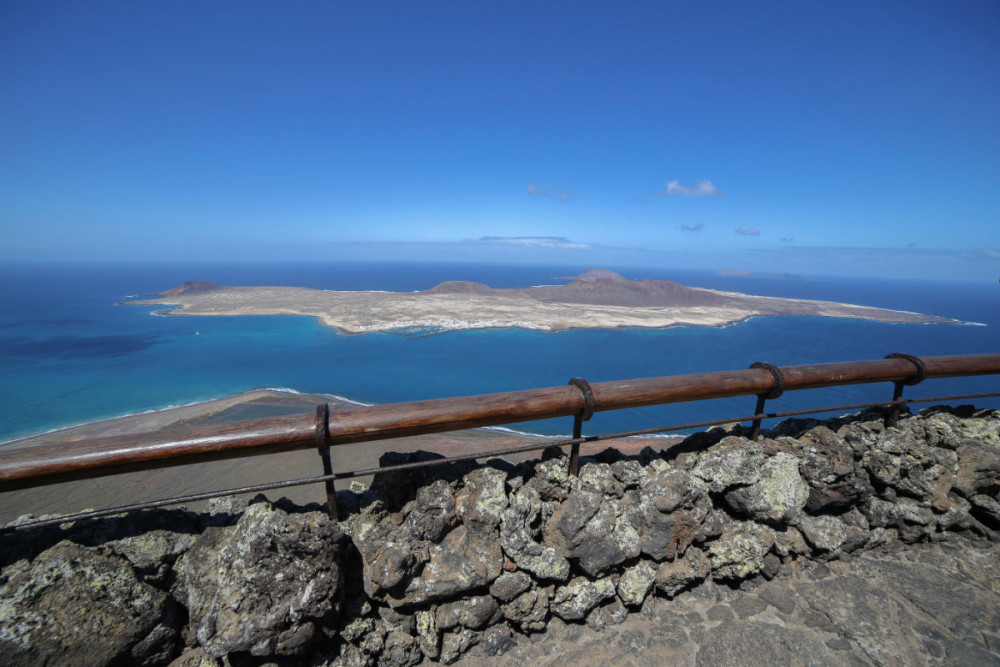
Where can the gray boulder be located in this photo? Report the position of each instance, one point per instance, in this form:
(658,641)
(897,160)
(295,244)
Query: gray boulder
(668,512)
(592,530)
(672,577)
(509,585)
(518,541)
(262,586)
(433,513)
(528,610)
(739,552)
(74,606)
(574,601)
(465,559)
(735,461)
(778,495)
(829,469)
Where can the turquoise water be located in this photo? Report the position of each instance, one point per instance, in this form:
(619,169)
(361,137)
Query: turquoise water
(69,354)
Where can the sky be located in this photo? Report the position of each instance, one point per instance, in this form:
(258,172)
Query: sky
(816,138)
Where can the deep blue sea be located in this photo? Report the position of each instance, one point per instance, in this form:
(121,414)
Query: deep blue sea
(69,354)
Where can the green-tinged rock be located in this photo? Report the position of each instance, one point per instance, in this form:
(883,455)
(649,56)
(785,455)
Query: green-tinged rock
(260,586)
(483,497)
(74,606)
(739,552)
(518,542)
(574,601)
(778,495)
(552,479)
(735,461)
(635,584)
(427,632)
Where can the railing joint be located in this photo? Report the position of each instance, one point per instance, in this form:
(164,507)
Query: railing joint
(774,392)
(919,376)
(586,412)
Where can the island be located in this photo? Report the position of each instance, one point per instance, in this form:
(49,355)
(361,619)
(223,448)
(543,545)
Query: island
(596,299)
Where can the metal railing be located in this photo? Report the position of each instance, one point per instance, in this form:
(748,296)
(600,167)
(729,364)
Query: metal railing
(28,467)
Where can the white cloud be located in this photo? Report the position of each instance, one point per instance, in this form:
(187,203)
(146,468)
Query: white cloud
(751,231)
(992,254)
(702,188)
(560,242)
(551,191)
(692,228)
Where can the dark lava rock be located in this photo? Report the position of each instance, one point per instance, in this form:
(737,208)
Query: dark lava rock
(75,606)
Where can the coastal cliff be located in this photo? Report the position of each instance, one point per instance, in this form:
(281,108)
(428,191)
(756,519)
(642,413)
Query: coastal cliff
(458,559)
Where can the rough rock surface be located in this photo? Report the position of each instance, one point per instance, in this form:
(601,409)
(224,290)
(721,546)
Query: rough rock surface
(263,586)
(837,542)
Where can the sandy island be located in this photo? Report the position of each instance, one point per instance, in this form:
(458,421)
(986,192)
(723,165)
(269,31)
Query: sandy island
(597,299)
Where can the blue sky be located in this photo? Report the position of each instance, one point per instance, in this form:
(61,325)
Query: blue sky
(821,138)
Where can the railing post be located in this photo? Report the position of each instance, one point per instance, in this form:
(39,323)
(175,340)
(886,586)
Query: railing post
(586,413)
(897,391)
(775,392)
(323,436)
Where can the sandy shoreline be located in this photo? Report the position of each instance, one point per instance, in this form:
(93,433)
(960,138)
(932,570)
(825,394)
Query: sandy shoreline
(114,490)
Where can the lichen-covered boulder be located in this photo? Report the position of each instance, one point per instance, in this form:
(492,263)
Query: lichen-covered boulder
(574,601)
(483,498)
(518,541)
(739,552)
(978,468)
(592,530)
(826,533)
(262,586)
(600,478)
(734,461)
(668,512)
(153,553)
(552,480)
(465,559)
(636,582)
(778,495)
(74,606)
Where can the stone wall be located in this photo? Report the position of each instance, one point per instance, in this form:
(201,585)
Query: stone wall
(434,563)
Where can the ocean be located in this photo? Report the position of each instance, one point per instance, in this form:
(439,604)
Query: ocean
(69,354)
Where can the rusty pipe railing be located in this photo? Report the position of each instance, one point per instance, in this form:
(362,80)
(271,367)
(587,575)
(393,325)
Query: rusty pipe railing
(57,462)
